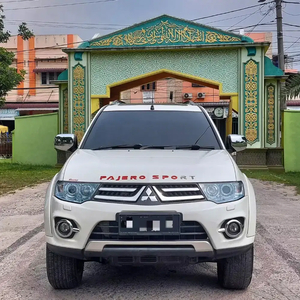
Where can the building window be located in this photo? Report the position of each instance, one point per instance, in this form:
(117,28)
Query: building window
(149,86)
(197,85)
(49,76)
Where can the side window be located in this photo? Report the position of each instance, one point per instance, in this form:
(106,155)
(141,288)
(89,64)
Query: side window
(44,78)
(149,86)
(47,77)
(51,76)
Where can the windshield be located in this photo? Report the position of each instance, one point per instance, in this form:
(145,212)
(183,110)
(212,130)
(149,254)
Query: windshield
(146,129)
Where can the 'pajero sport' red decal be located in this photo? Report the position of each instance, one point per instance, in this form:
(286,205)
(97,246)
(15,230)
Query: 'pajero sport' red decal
(143,177)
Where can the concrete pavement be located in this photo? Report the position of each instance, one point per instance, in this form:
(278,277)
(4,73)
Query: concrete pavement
(276,273)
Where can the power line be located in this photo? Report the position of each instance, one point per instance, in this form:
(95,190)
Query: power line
(294,15)
(244,19)
(293,44)
(37,88)
(58,46)
(255,25)
(235,17)
(230,11)
(60,5)
(290,2)
(68,23)
(17,1)
(88,27)
(292,25)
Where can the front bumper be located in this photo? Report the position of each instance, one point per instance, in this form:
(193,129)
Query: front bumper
(87,215)
(136,255)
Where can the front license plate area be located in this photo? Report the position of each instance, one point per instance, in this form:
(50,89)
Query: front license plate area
(149,223)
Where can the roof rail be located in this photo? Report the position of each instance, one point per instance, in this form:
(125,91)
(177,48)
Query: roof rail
(117,102)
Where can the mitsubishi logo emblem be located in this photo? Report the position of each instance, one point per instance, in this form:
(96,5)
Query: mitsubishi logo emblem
(149,195)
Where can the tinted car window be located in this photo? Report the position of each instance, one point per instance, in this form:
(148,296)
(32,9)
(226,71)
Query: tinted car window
(151,128)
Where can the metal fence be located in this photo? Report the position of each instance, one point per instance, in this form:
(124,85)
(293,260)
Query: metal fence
(5,145)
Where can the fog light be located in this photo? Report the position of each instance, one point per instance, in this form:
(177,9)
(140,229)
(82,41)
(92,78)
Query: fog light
(233,228)
(64,228)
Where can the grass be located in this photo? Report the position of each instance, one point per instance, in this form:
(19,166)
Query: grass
(15,176)
(290,178)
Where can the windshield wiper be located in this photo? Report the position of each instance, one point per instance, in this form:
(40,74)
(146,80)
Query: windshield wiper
(154,147)
(140,146)
(126,146)
(195,147)
(192,147)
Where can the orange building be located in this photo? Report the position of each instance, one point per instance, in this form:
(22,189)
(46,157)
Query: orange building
(43,60)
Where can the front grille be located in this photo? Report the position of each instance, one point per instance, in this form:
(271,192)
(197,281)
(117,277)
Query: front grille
(109,231)
(119,192)
(178,192)
(132,192)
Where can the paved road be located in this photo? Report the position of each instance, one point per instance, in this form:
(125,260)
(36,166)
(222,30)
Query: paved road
(277,258)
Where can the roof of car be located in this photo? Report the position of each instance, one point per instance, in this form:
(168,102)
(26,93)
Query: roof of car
(120,106)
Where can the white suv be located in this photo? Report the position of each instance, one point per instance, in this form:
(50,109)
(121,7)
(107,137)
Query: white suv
(150,184)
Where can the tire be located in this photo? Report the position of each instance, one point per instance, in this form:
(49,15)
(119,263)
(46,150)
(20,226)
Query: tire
(236,272)
(63,272)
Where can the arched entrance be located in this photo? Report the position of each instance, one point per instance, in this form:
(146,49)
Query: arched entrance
(223,123)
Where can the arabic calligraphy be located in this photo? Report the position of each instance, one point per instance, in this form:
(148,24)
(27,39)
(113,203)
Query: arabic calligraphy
(165,33)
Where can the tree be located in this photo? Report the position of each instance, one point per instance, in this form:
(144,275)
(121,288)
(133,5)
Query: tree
(9,76)
(292,86)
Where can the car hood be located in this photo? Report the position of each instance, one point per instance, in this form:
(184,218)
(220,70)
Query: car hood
(150,166)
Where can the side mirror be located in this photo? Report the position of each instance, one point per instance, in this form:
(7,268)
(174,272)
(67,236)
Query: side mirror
(65,142)
(236,142)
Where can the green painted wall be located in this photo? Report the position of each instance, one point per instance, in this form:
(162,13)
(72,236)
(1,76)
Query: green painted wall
(33,139)
(292,140)
(218,65)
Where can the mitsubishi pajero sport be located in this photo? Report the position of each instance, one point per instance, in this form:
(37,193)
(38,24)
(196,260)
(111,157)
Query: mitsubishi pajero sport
(150,184)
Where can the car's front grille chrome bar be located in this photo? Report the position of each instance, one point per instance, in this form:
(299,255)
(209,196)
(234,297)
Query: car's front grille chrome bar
(178,192)
(107,189)
(171,190)
(126,193)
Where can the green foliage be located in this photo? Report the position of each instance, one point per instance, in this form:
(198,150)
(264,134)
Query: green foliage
(15,176)
(9,77)
(4,35)
(289,178)
(24,32)
(292,86)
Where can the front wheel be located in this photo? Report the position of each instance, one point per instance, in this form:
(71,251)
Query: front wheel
(63,272)
(236,272)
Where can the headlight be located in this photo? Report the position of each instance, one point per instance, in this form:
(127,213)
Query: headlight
(77,192)
(223,192)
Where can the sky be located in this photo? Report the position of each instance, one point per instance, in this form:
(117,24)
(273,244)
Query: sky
(89,17)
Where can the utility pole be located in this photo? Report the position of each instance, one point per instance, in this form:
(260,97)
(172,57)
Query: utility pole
(279,32)
(280,48)
(280,35)
(280,56)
